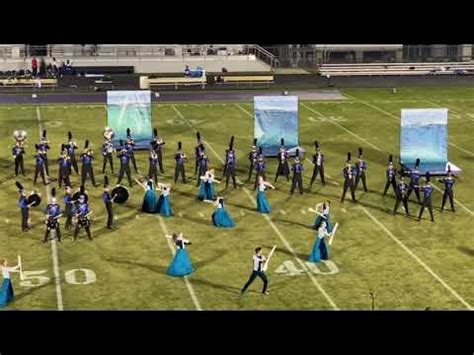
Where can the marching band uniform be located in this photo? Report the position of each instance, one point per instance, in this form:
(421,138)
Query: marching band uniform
(258,264)
(181,264)
(43,146)
(24,208)
(207,189)
(153,169)
(318,161)
(7,295)
(220,217)
(180,160)
(252,157)
(262,203)
(198,151)
(18,151)
(402,196)
(83,220)
(391,177)
(361,168)
(260,167)
(448,190)
(326,217)
(129,144)
(64,162)
(320,249)
(149,200)
(163,205)
(86,169)
(414,181)
(156,145)
(203,164)
(297,169)
(39,166)
(124,166)
(349,179)
(108,201)
(107,151)
(427,191)
(229,167)
(283,168)
(52,212)
(69,207)
(71,151)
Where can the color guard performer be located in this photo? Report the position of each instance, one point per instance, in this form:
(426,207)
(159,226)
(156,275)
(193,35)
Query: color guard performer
(361,168)
(156,145)
(17,152)
(448,189)
(129,145)
(390,174)
(402,196)
(320,249)
(349,179)
(257,271)
(260,167)
(180,158)
(181,264)
(207,190)
(220,217)
(53,213)
(262,203)
(283,169)
(124,157)
(427,190)
(252,157)
(163,205)
(414,181)
(318,161)
(71,151)
(229,165)
(86,170)
(65,164)
(83,221)
(323,216)
(7,295)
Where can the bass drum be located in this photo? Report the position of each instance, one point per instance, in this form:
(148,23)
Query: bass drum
(120,193)
(34,200)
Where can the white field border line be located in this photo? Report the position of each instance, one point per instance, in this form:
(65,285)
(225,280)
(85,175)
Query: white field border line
(54,250)
(274,227)
(186,280)
(459,203)
(413,255)
(398,120)
(431,102)
(340,126)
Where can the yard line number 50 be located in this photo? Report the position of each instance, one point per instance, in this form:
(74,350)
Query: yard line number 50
(73,277)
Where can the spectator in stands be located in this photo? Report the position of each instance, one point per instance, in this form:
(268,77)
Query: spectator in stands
(224,70)
(68,67)
(54,66)
(34,66)
(42,67)
(187,71)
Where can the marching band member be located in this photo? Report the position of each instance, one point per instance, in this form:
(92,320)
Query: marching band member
(203,163)
(448,189)
(349,179)
(64,162)
(69,207)
(156,145)
(324,216)
(83,221)
(71,147)
(318,161)
(262,203)
(181,264)
(414,181)
(40,161)
(108,201)
(220,217)
(129,145)
(198,151)
(207,189)
(361,168)
(320,249)
(107,152)
(124,157)
(229,166)
(297,169)
(391,177)
(252,157)
(427,190)
(260,167)
(163,205)
(150,200)
(43,146)
(402,196)
(86,170)
(153,169)
(7,295)
(53,213)
(283,169)
(258,270)
(24,208)
(17,152)
(180,158)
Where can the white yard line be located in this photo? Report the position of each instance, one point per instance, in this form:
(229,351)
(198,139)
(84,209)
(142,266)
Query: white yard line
(456,201)
(340,126)
(272,225)
(450,109)
(54,250)
(186,280)
(283,212)
(413,255)
(244,110)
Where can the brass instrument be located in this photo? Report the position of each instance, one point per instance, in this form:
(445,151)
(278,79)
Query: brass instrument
(20,137)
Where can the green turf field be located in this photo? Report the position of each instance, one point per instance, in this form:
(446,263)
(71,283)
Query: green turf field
(406,263)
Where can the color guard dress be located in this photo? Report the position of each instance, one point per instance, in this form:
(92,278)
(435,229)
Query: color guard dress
(326,218)
(150,199)
(6,295)
(164,205)
(220,217)
(181,264)
(262,203)
(320,249)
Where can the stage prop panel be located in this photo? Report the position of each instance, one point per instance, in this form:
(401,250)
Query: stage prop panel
(130,109)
